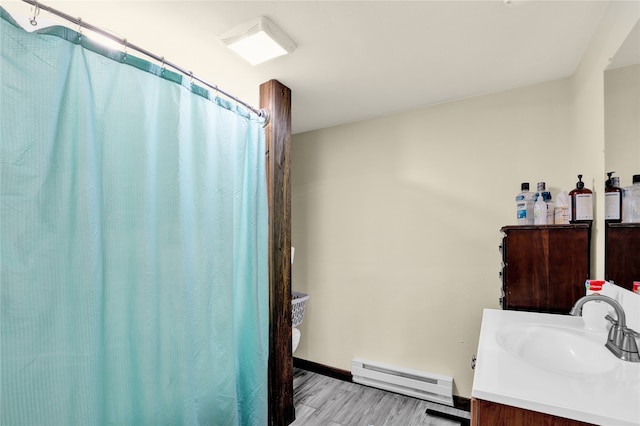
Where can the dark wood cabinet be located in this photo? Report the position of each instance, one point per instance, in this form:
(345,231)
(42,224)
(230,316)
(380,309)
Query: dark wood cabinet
(544,268)
(486,413)
(622,253)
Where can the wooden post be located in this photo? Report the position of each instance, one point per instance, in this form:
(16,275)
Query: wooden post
(276,97)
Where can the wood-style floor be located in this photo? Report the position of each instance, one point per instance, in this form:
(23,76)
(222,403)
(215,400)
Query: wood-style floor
(323,401)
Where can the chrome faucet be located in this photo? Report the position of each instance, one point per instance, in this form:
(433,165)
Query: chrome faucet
(621,340)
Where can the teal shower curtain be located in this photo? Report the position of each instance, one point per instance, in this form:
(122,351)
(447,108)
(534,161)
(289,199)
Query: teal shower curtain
(133,242)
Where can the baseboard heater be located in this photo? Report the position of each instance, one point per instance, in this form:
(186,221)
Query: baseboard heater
(418,384)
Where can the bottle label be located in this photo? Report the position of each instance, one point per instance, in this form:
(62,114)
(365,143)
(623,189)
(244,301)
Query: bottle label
(612,205)
(584,206)
(524,212)
(550,213)
(631,204)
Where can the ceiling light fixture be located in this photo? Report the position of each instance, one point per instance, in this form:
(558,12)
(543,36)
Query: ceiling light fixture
(257,41)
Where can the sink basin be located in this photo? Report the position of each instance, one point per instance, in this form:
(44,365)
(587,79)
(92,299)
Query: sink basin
(570,351)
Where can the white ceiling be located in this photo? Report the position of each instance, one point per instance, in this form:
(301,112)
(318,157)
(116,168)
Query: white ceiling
(359,59)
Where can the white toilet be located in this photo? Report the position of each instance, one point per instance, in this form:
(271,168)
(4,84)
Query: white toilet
(295,339)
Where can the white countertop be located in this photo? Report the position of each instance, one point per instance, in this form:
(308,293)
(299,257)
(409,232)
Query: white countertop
(610,399)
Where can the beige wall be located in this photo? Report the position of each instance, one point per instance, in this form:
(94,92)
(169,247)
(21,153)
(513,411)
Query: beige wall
(396,220)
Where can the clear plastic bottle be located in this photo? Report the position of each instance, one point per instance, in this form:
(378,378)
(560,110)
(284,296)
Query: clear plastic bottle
(631,202)
(540,210)
(524,205)
(581,203)
(612,200)
(546,196)
(550,207)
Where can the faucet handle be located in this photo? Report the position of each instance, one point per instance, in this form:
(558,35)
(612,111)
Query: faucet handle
(615,335)
(629,346)
(613,321)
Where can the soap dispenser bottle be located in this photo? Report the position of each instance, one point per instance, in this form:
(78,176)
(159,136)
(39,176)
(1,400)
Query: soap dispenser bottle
(612,200)
(581,203)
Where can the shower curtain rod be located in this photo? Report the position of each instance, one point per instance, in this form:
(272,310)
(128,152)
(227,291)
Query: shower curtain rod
(264,113)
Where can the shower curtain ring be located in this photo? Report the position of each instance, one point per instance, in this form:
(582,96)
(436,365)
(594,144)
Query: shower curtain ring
(124,42)
(36,12)
(79,29)
(266,115)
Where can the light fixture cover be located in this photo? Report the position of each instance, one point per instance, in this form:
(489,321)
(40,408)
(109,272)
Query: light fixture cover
(258,40)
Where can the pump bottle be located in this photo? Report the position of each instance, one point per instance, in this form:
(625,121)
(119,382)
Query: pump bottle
(612,200)
(581,203)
